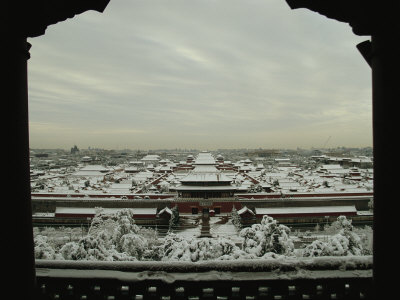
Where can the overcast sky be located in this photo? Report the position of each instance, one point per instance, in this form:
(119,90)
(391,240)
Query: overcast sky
(204,74)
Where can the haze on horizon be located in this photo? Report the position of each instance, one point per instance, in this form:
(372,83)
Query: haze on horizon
(199,74)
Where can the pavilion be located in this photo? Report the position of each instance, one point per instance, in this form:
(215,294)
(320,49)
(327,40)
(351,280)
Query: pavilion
(204,185)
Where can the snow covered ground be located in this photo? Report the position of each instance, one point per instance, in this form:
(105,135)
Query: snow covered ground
(189,226)
(219,226)
(222,226)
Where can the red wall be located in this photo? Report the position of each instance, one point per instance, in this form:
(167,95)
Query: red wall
(294,215)
(294,195)
(226,207)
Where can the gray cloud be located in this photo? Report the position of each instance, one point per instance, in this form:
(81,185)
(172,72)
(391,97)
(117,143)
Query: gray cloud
(207,74)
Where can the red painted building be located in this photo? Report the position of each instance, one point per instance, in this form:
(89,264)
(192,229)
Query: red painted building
(202,188)
(315,211)
(87,212)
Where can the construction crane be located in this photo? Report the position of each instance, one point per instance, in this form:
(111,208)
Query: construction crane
(326,142)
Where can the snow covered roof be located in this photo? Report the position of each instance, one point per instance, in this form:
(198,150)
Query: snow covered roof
(151,157)
(95,168)
(206,177)
(205,169)
(305,210)
(205,158)
(131,169)
(165,168)
(91,170)
(331,167)
(135,162)
(121,186)
(43,214)
(245,209)
(143,175)
(362,159)
(205,188)
(245,168)
(87,174)
(275,174)
(92,210)
(165,209)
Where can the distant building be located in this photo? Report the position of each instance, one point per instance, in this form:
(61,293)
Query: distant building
(151,159)
(91,171)
(205,180)
(211,185)
(86,159)
(74,150)
(203,187)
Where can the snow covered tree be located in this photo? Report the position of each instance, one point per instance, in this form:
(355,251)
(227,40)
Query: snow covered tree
(255,188)
(269,236)
(178,248)
(366,239)
(355,246)
(132,244)
(345,242)
(174,220)
(371,204)
(164,187)
(211,249)
(175,247)
(112,236)
(236,221)
(316,248)
(87,248)
(125,224)
(43,249)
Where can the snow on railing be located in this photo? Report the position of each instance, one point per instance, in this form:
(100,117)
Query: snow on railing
(288,278)
(287,264)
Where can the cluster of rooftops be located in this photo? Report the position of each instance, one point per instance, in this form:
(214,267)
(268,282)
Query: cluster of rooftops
(153,175)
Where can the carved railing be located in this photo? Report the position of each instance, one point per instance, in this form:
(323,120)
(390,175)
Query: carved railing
(304,278)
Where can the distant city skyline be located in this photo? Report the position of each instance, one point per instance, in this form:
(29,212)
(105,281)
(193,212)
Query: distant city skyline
(201,75)
(155,150)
